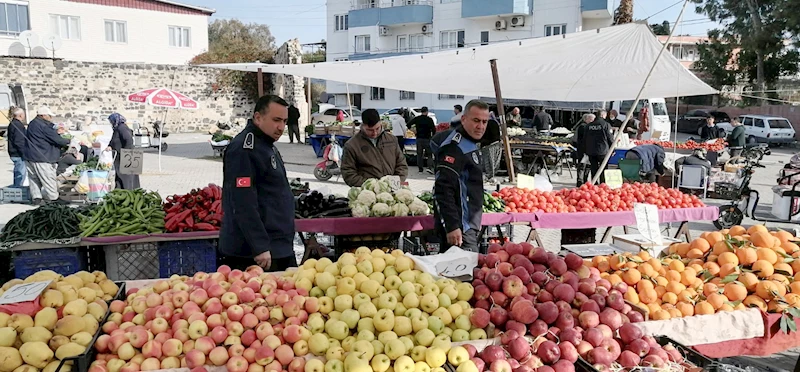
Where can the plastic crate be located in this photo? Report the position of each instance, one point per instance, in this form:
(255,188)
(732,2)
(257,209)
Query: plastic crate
(617,156)
(688,353)
(64,261)
(132,261)
(15,195)
(186,257)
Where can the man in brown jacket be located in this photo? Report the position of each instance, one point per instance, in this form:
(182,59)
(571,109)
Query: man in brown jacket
(372,153)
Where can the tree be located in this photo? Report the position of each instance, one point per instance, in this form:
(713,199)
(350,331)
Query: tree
(715,61)
(661,29)
(317,53)
(231,41)
(624,13)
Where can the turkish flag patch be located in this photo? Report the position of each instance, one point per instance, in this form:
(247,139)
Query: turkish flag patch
(243,182)
(450,159)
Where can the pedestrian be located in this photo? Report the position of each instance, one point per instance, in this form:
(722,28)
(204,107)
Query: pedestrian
(399,127)
(542,121)
(372,153)
(652,160)
(455,121)
(615,122)
(41,155)
(16,144)
(597,143)
(425,128)
(72,156)
(121,138)
(737,138)
(513,119)
(698,157)
(458,188)
(294,124)
(580,149)
(709,131)
(644,120)
(258,204)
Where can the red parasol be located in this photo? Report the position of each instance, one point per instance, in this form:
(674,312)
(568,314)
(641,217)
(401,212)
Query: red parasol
(163,97)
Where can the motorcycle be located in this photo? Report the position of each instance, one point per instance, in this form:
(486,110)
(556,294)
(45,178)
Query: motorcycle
(331,163)
(143,138)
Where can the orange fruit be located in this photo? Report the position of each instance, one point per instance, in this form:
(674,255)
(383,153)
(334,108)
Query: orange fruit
(746,256)
(737,230)
(662,281)
(793,299)
(749,280)
(694,253)
(716,300)
(781,288)
(614,278)
(740,306)
(631,265)
(652,308)
(725,307)
(784,236)
(616,262)
(720,248)
(674,313)
(735,292)
(714,237)
(755,301)
(710,288)
(711,258)
(603,266)
(790,247)
(686,295)
(644,255)
(670,298)
(646,270)
(766,289)
(767,254)
(631,277)
(649,296)
(644,285)
(712,267)
(685,308)
(703,308)
(756,229)
(688,276)
(786,268)
(673,276)
(776,306)
(728,257)
(794,287)
(660,315)
(597,259)
(675,287)
(780,279)
(728,269)
(763,269)
(724,231)
(677,265)
(702,244)
(761,239)
(660,291)
(682,248)
(655,263)
(631,296)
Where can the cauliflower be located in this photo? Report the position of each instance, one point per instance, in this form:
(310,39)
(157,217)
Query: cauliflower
(353,193)
(368,184)
(360,210)
(380,187)
(419,208)
(381,210)
(366,197)
(385,198)
(399,210)
(404,196)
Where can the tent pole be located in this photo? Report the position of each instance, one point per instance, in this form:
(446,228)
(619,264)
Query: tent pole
(502,112)
(310,103)
(260,78)
(349,105)
(596,177)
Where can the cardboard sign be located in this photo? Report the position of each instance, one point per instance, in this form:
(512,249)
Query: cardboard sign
(613,178)
(23,292)
(591,250)
(647,221)
(394,182)
(455,263)
(131,161)
(525,182)
(455,268)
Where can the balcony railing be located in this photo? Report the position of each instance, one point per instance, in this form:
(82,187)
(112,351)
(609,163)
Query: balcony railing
(387,3)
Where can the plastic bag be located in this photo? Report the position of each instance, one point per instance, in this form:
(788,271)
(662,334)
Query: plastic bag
(82,186)
(98,184)
(106,158)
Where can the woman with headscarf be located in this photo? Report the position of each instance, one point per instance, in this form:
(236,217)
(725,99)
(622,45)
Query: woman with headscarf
(122,139)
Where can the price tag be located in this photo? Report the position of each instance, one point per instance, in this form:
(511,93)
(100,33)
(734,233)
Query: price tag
(647,221)
(525,182)
(455,268)
(23,292)
(613,178)
(131,161)
(394,182)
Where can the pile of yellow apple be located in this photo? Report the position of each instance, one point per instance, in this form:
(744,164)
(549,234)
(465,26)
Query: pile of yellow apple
(71,309)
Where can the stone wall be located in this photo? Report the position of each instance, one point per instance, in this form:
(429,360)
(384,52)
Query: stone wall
(290,87)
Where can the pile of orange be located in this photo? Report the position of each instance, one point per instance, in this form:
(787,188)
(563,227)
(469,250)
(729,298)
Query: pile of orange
(724,270)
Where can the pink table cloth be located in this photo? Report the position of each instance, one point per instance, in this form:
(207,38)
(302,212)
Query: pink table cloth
(587,220)
(382,225)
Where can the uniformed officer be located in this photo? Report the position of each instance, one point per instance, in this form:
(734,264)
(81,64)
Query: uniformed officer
(258,224)
(458,189)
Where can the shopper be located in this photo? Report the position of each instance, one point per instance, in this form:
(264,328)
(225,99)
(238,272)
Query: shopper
(372,153)
(455,121)
(41,154)
(615,122)
(542,121)
(399,127)
(458,176)
(652,160)
(16,145)
(644,120)
(258,204)
(597,142)
(71,157)
(294,124)
(710,131)
(513,119)
(737,138)
(579,141)
(425,128)
(122,138)
(698,157)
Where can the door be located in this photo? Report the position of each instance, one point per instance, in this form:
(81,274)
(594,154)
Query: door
(357,101)
(760,129)
(747,122)
(402,43)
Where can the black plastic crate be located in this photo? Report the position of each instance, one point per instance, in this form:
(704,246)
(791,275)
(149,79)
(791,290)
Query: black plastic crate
(132,261)
(186,257)
(688,353)
(64,261)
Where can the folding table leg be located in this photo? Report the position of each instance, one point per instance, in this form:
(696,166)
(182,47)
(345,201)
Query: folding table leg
(534,236)
(683,229)
(606,235)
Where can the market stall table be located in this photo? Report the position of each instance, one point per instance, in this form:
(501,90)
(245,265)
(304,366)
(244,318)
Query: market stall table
(542,152)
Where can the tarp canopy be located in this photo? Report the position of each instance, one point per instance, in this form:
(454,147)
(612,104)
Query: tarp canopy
(554,105)
(598,65)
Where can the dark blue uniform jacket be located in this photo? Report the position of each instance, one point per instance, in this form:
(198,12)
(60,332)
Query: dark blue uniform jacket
(458,189)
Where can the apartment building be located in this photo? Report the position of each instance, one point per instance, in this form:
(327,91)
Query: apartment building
(365,29)
(145,31)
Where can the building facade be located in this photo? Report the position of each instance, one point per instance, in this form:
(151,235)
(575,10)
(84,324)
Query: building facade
(364,29)
(136,31)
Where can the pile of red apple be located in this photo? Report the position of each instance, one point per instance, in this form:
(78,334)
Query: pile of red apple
(179,323)
(549,310)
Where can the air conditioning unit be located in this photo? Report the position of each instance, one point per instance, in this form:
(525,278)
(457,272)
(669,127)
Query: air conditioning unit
(517,21)
(500,24)
(427,29)
(383,31)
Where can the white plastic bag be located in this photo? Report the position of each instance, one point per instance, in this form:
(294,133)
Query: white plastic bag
(82,186)
(542,183)
(106,158)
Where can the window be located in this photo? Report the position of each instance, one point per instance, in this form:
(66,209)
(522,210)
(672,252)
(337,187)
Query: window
(451,39)
(342,22)
(180,37)
(5,100)
(747,121)
(331,112)
(552,30)
(450,96)
(67,27)
(774,123)
(402,43)
(362,44)
(341,59)
(484,37)
(13,19)
(404,95)
(659,108)
(416,42)
(758,123)
(377,94)
(116,32)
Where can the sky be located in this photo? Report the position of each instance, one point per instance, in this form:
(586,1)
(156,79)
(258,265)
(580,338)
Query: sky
(305,19)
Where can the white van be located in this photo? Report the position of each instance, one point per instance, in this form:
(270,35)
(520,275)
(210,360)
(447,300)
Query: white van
(764,129)
(657,111)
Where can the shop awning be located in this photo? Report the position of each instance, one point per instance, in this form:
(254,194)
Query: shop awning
(597,65)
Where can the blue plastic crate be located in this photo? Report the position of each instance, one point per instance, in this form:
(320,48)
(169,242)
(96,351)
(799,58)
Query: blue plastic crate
(186,257)
(64,261)
(617,156)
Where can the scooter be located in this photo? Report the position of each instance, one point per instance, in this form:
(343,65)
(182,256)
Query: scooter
(143,138)
(331,163)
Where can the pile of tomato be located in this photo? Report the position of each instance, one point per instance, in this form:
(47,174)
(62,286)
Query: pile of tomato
(717,145)
(595,198)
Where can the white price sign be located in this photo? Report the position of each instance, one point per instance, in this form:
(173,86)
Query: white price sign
(455,268)
(131,161)
(394,182)
(647,221)
(23,292)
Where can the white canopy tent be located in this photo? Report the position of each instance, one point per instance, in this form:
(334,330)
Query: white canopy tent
(597,65)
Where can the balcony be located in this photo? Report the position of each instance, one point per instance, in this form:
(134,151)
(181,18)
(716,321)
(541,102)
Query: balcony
(492,8)
(367,13)
(596,9)
(364,56)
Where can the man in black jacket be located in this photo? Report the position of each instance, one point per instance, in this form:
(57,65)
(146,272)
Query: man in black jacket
(16,145)
(294,124)
(258,205)
(41,154)
(425,128)
(542,121)
(597,143)
(709,131)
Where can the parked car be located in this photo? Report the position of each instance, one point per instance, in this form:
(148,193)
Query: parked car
(692,121)
(327,115)
(764,129)
(414,112)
